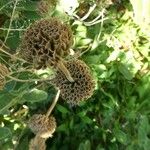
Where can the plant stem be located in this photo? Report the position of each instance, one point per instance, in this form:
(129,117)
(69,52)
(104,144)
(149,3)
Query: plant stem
(53,104)
(30,80)
(63,68)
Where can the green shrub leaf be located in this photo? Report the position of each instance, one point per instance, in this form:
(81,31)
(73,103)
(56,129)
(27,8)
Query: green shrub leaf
(35,95)
(4,133)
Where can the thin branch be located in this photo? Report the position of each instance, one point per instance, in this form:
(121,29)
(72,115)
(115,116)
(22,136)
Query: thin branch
(88,13)
(95,19)
(98,21)
(5,5)
(11,20)
(6,29)
(30,80)
(53,104)
(98,37)
(22,70)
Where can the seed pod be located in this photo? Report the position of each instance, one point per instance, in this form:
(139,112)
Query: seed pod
(42,125)
(45,41)
(82,87)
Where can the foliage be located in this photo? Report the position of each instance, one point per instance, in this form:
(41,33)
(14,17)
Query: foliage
(116,49)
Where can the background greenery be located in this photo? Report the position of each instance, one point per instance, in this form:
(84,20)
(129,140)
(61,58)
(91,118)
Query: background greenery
(116,48)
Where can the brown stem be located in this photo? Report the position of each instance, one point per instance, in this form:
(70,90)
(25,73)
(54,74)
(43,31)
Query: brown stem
(53,104)
(62,67)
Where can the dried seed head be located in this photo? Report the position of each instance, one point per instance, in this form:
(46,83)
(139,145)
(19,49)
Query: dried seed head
(37,143)
(82,87)
(44,6)
(45,41)
(3,72)
(40,124)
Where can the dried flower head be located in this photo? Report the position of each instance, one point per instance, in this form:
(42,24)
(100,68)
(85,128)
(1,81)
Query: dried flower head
(44,6)
(42,125)
(45,41)
(37,143)
(3,72)
(82,87)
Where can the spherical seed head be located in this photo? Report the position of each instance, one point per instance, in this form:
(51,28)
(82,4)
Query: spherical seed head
(83,86)
(40,124)
(45,41)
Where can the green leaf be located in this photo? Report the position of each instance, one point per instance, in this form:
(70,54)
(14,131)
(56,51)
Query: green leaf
(4,133)
(84,41)
(121,136)
(35,95)
(125,71)
(13,40)
(99,147)
(86,120)
(23,144)
(62,127)
(143,131)
(27,6)
(31,15)
(81,31)
(85,146)
(92,59)
(81,146)
(7,100)
(62,109)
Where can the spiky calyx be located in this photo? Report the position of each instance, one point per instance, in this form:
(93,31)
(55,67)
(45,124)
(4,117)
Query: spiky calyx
(42,125)
(45,41)
(83,86)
